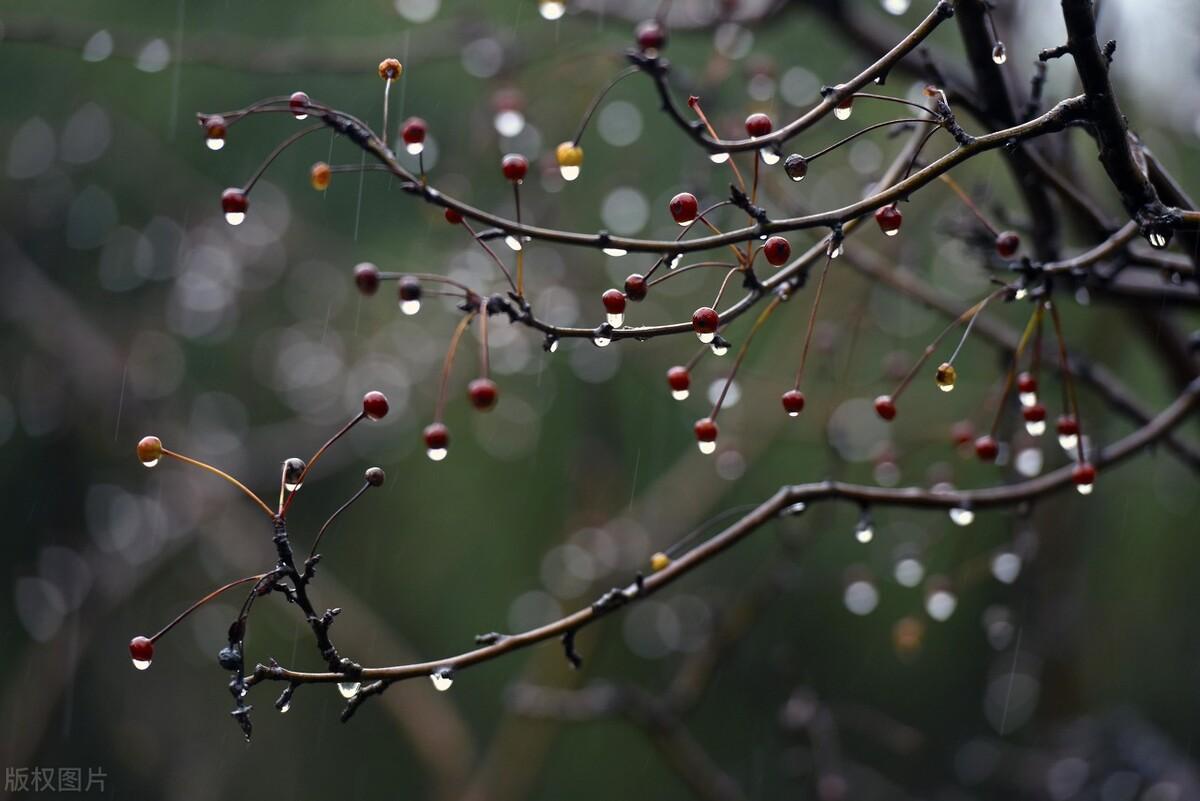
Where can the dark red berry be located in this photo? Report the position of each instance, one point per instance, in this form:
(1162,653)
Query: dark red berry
(885,407)
(413,131)
(1026,383)
(1084,475)
(678,378)
(889,219)
(410,288)
(614,301)
(793,402)
(1035,413)
(482,392)
(375,405)
(234,201)
(298,103)
(684,207)
(437,436)
(777,250)
(375,476)
(758,125)
(366,277)
(706,429)
(1068,426)
(1007,244)
(453,217)
(141,649)
(214,127)
(514,166)
(651,35)
(705,320)
(635,287)
(986,448)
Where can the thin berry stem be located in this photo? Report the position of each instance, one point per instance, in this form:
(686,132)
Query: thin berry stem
(1010,376)
(221,473)
(317,541)
(595,104)
(182,615)
(311,463)
(741,355)
(812,321)
(448,362)
(279,148)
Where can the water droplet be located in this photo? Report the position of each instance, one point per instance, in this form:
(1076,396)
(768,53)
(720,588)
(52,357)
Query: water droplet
(552,9)
(151,463)
(348,689)
(1029,462)
(235,217)
(896,7)
(1085,489)
(284,709)
(843,112)
(410,307)
(553,345)
(1021,293)
(836,250)
(1157,240)
(794,509)
(719,158)
(708,447)
(674,262)
(1027,398)
(415,148)
(601,341)
(864,533)
(945,377)
(719,347)
(962,517)
(1068,441)
(999,53)
(513,243)
(705,338)
(616,320)
(616,253)
(679,394)
(569,173)
(1035,427)
(768,156)
(442,679)
(436,454)
(141,664)
(215,143)
(1006,566)
(796,167)
(892,232)
(941,604)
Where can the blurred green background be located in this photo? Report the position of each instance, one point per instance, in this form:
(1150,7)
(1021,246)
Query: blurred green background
(128,307)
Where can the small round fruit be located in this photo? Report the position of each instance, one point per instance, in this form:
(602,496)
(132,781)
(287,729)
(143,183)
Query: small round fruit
(1084,476)
(569,154)
(777,250)
(452,216)
(651,36)
(390,69)
(679,379)
(793,402)
(614,301)
(885,407)
(1026,383)
(1034,413)
(514,166)
(366,278)
(298,103)
(986,448)
(945,376)
(375,405)
(319,176)
(437,436)
(149,450)
(374,476)
(483,393)
(684,208)
(635,287)
(413,131)
(1068,426)
(410,288)
(758,125)
(796,167)
(1007,244)
(706,429)
(659,561)
(889,219)
(234,201)
(705,320)
(141,651)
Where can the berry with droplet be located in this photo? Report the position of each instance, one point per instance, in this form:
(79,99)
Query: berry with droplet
(758,125)
(1035,419)
(214,132)
(514,166)
(651,36)
(793,402)
(149,450)
(319,176)
(375,405)
(844,108)
(452,216)
(390,69)
(374,476)
(141,651)
(659,561)
(796,167)
(706,434)
(889,219)
(1026,383)
(1084,477)
(705,322)
(293,471)
(570,160)
(409,293)
(945,376)
(679,379)
(635,287)
(483,393)
(437,441)
(413,133)
(366,278)
(234,203)
(298,103)
(885,407)
(684,208)
(1007,244)
(986,448)
(777,250)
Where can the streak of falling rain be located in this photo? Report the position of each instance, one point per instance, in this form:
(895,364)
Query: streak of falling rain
(1012,674)
(176,75)
(121,402)
(637,464)
(362,173)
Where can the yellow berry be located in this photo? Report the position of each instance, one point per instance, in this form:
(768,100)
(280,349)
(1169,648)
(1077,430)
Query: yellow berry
(659,561)
(946,376)
(569,154)
(320,176)
(390,69)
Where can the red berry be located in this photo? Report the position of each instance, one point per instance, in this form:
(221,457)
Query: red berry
(1026,383)
(366,276)
(706,429)
(777,250)
(889,218)
(1007,244)
(413,131)
(410,288)
(298,103)
(1084,475)
(453,217)
(651,35)
(437,436)
(635,287)
(758,125)
(214,127)
(1035,413)
(1068,426)
(679,379)
(149,450)
(793,402)
(614,301)
(234,201)
(141,649)
(684,207)
(885,407)
(483,392)
(514,166)
(375,405)
(986,448)
(705,320)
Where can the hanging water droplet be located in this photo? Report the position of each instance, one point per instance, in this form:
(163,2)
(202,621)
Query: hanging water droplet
(1021,294)
(796,167)
(513,242)
(706,447)
(962,517)
(553,345)
(442,679)
(864,533)
(601,340)
(720,347)
(1085,489)
(348,689)
(794,509)
(410,307)
(843,110)
(141,664)
(768,156)
(1006,566)
(151,463)
(945,377)
(415,148)
(616,320)
(1035,427)
(679,394)
(896,7)
(569,173)
(999,53)
(235,217)
(835,250)
(1068,441)
(552,9)
(616,253)
(436,454)
(705,338)
(1029,462)
(1157,240)
(293,469)
(1027,398)
(284,709)
(719,158)
(215,142)
(674,262)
